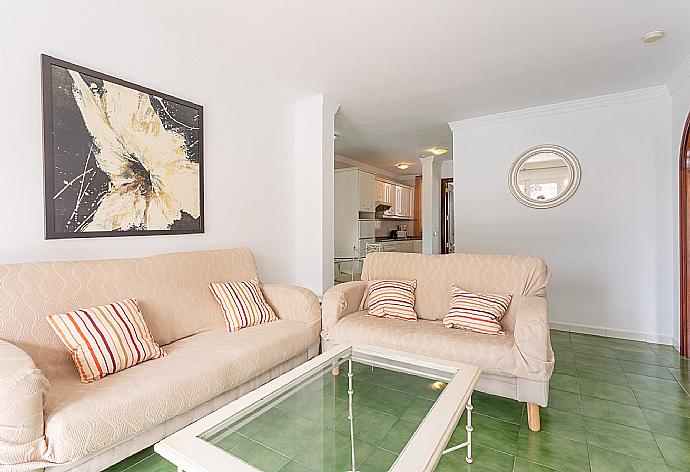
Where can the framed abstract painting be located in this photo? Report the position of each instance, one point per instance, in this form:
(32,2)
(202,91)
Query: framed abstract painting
(119,159)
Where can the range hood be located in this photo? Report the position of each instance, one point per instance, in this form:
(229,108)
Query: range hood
(382,206)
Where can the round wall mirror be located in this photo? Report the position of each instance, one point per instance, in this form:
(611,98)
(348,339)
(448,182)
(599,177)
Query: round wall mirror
(544,176)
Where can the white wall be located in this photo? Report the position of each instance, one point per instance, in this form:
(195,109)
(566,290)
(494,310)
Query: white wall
(680,100)
(249,151)
(447,169)
(314,188)
(431,204)
(610,246)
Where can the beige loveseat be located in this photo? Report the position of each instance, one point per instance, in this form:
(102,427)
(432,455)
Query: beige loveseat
(517,365)
(49,419)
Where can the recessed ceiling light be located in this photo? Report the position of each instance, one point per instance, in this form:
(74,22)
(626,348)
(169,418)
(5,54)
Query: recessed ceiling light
(438,150)
(403,166)
(653,36)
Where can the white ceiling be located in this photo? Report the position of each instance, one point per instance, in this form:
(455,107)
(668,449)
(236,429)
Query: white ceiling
(402,69)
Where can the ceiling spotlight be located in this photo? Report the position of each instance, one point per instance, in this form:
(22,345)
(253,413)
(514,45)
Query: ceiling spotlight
(403,166)
(653,36)
(438,150)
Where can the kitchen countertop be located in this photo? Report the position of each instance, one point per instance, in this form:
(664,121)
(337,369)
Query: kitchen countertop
(387,239)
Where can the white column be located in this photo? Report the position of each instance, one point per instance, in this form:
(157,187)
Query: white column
(431,204)
(314,156)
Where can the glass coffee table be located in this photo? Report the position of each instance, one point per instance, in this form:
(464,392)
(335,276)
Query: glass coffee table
(352,408)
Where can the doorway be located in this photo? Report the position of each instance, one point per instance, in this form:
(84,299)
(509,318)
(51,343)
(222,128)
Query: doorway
(447,217)
(684,221)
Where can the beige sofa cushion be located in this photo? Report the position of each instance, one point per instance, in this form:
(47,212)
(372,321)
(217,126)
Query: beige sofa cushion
(487,273)
(493,354)
(82,418)
(171,289)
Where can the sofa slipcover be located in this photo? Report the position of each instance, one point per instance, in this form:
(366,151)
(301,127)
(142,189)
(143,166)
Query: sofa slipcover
(48,418)
(518,364)
(81,418)
(495,354)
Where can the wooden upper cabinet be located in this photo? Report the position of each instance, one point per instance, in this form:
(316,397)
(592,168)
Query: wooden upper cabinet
(417,208)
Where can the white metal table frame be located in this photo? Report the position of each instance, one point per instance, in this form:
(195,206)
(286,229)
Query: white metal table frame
(189,452)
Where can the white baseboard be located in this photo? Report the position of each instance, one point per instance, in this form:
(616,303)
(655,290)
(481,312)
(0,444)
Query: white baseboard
(676,344)
(614,333)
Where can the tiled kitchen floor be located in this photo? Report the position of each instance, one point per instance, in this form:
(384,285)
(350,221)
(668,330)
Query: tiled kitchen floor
(614,405)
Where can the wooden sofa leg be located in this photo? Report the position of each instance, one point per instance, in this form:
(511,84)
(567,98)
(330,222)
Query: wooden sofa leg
(533,417)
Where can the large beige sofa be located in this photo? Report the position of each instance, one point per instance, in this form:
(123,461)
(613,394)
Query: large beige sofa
(49,419)
(517,365)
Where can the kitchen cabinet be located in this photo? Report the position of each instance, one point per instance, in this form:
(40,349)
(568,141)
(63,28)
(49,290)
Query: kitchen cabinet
(399,197)
(409,199)
(389,246)
(386,194)
(355,204)
(404,201)
(381,189)
(367,197)
(366,229)
(392,200)
(405,245)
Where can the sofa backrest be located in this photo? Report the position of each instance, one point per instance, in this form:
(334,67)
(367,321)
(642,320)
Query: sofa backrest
(171,289)
(487,273)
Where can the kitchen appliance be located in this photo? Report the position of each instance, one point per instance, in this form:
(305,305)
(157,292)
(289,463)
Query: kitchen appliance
(401,232)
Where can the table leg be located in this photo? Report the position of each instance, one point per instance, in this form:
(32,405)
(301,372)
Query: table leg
(350,415)
(469,429)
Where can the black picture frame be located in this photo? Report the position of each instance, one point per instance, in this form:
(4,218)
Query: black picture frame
(192,225)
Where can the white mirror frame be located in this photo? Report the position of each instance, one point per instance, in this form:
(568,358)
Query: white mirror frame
(573,167)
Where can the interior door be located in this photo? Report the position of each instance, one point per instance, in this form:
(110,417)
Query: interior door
(451,217)
(447,217)
(684,218)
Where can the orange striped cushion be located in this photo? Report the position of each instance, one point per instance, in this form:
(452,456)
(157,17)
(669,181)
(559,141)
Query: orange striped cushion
(106,339)
(243,303)
(478,312)
(392,299)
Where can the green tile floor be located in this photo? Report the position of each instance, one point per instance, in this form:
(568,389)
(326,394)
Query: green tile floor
(614,405)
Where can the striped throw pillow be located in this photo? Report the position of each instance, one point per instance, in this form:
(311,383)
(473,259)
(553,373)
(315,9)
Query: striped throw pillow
(477,312)
(106,339)
(243,303)
(392,299)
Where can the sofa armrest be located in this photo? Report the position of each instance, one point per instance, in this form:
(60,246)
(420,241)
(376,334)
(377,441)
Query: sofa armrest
(532,330)
(339,301)
(23,388)
(292,303)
